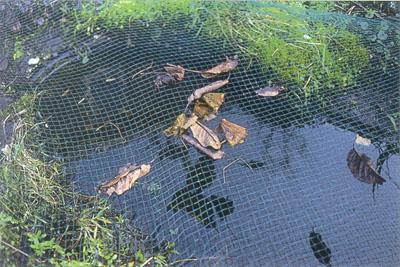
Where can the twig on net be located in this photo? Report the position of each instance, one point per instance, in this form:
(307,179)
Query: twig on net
(147,262)
(142,71)
(113,124)
(233,162)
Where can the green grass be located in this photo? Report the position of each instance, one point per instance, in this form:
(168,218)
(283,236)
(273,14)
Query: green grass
(43,221)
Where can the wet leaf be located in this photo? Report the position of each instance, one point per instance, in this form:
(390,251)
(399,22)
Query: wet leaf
(180,125)
(205,136)
(127,177)
(362,168)
(177,72)
(362,140)
(198,93)
(320,249)
(234,134)
(224,67)
(211,153)
(270,91)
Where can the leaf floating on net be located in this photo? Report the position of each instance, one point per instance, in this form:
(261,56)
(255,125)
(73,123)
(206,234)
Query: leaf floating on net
(205,136)
(362,168)
(270,91)
(198,93)
(127,177)
(234,134)
(225,67)
(180,125)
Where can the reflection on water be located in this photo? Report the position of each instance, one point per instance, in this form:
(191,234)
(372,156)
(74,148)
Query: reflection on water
(298,179)
(191,199)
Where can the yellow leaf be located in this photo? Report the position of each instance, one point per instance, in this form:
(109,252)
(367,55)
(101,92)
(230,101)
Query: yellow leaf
(234,134)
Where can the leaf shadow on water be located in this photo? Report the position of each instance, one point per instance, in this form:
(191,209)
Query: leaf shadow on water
(191,199)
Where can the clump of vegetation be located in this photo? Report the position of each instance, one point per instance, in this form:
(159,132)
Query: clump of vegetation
(43,221)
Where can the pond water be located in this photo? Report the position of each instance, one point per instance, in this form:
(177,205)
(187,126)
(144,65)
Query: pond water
(102,115)
(301,180)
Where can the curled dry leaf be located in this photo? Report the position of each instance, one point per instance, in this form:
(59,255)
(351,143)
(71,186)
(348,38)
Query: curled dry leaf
(211,153)
(362,140)
(178,72)
(270,91)
(127,177)
(198,93)
(205,136)
(224,67)
(180,125)
(234,134)
(362,168)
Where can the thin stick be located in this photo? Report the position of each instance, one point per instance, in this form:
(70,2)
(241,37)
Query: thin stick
(20,251)
(212,154)
(143,70)
(113,124)
(233,162)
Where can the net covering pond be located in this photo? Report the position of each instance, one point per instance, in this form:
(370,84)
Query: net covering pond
(99,109)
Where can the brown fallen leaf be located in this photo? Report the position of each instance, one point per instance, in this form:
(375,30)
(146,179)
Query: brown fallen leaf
(224,67)
(362,168)
(127,177)
(211,153)
(180,125)
(198,93)
(270,91)
(205,136)
(178,72)
(234,134)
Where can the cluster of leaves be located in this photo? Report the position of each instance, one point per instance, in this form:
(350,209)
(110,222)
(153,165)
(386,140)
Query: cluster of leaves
(43,221)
